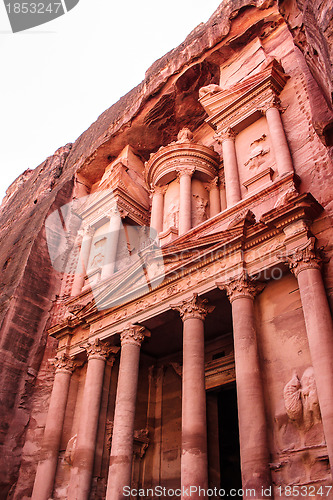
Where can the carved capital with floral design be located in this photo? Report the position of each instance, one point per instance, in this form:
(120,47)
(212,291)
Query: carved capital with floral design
(185,171)
(224,135)
(135,335)
(273,102)
(241,287)
(99,350)
(158,190)
(196,307)
(214,184)
(63,363)
(303,258)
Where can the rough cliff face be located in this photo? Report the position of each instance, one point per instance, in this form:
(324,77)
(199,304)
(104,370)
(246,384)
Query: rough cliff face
(148,116)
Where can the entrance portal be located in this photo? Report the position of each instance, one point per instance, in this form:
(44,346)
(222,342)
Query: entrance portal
(223,439)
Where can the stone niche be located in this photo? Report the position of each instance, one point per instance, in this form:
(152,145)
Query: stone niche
(181,179)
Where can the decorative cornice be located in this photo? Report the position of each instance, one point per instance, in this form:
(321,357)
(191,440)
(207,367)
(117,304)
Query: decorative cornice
(241,287)
(196,307)
(133,335)
(99,350)
(64,363)
(303,258)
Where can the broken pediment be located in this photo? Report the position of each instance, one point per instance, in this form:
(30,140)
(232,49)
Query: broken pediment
(241,104)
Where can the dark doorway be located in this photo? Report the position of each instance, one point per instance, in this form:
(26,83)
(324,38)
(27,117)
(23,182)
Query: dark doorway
(230,471)
(223,439)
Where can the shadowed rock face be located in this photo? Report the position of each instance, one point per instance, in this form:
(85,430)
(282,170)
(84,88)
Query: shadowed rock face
(148,117)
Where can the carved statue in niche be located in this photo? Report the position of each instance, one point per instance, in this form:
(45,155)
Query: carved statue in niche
(257,153)
(199,210)
(98,254)
(171,215)
(297,424)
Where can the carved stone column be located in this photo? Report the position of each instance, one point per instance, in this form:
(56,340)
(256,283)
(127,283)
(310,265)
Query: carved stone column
(123,429)
(157,208)
(81,269)
(305,265)
(185,199)
(251,411)
(194,469)
(47,464)
(111,244)
(214,197)
(232,184)
(223,199)
(81,473)
(278,138)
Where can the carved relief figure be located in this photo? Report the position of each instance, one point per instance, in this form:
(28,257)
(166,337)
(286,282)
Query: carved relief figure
(184,135)
(171,215)
(301,400)
(98,254)
(198,210)
(70,450)
(257,153)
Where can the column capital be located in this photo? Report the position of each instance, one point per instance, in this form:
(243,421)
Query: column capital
(158,190)
(86,230)
(303,258)
(99,350)
(135,334)
(213,184)
(273,102)
(224,135)
(195,307)
(63,363)
(185,171)
(241,287)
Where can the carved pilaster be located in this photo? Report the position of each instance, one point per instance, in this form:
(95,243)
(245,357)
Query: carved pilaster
(99,350)
(306,257)
(242,286)
(196,307)
(64,363)
(133,335)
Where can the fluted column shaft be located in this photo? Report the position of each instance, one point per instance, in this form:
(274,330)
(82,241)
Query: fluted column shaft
(194,467)
(318,322)
(120,469)
(48,462)
(82,470)
(82,266)
(157,209)
(185,200)
(279,142)
(111,244)
(254,450)
(232,184)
